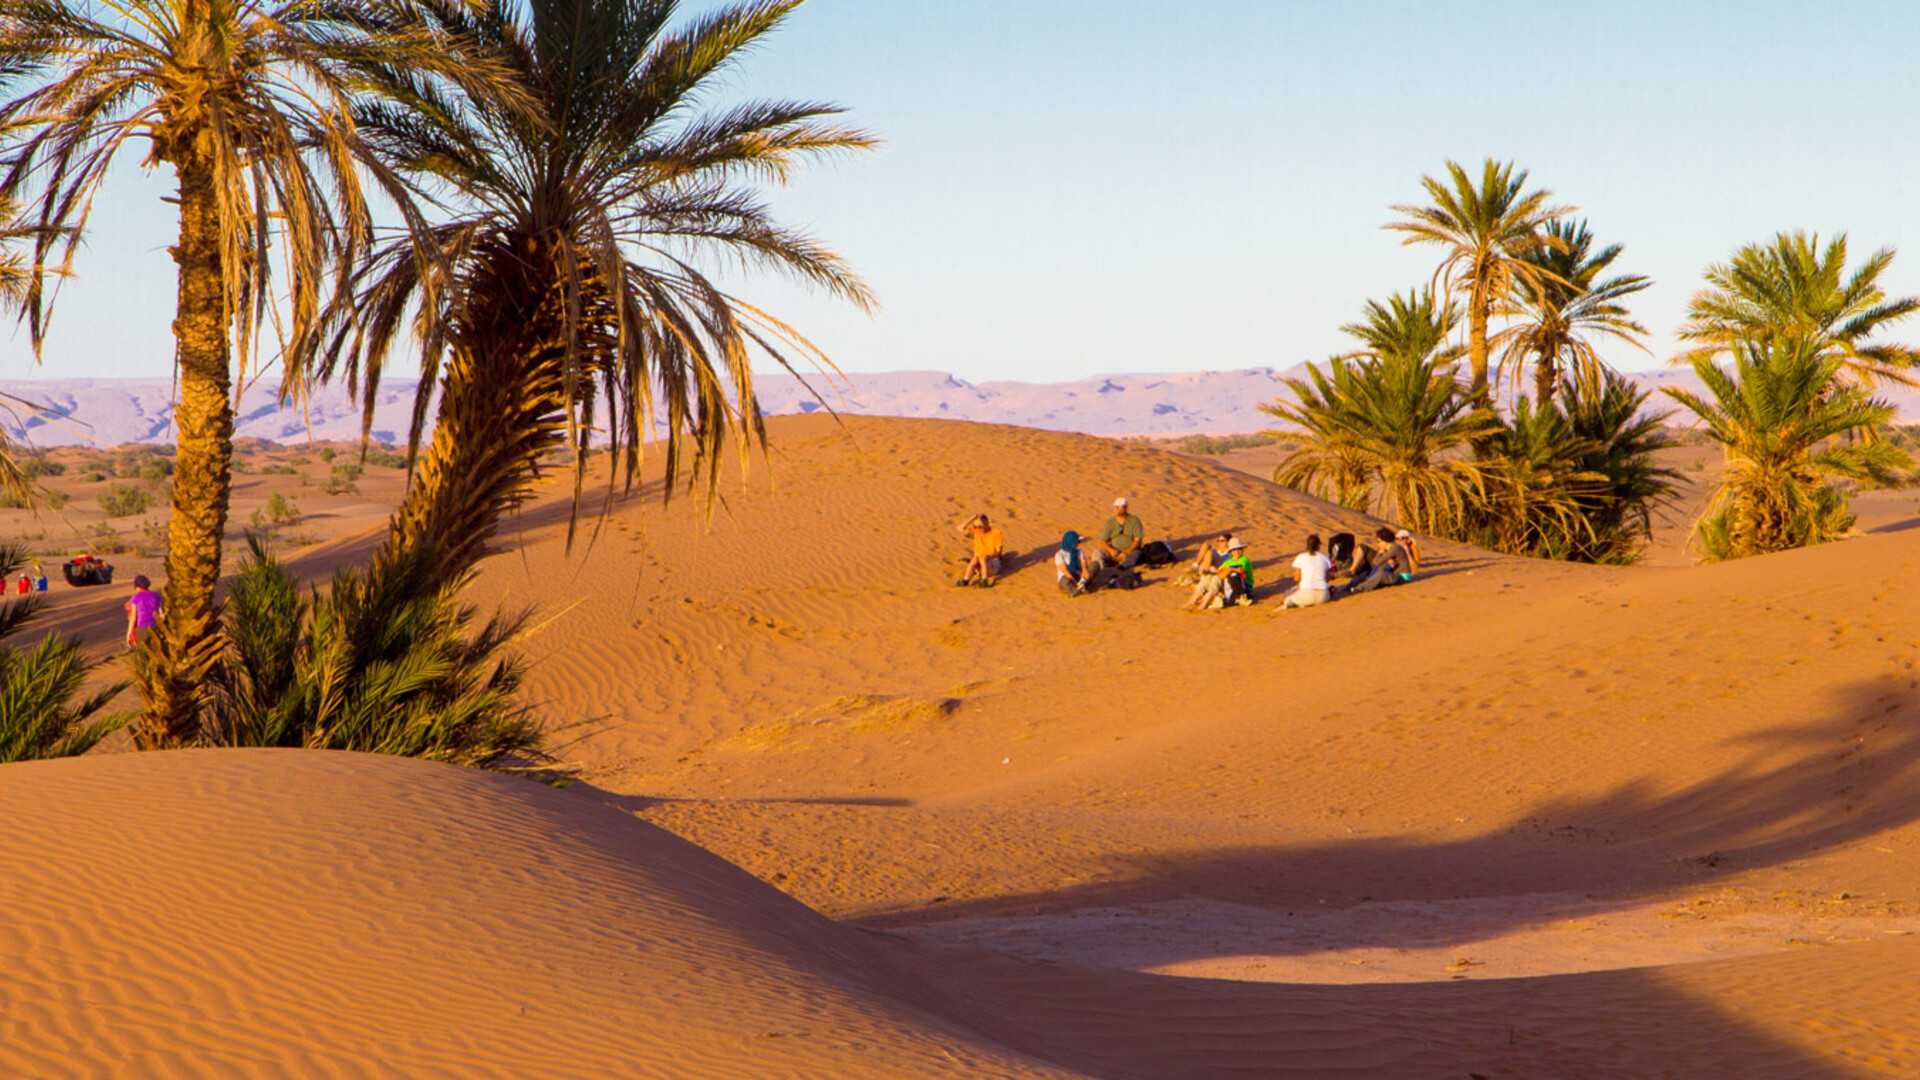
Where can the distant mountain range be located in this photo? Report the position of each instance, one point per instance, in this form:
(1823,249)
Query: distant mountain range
(109,412)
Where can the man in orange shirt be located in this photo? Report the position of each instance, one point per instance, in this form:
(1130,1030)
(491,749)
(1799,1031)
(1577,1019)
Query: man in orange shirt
(989,543)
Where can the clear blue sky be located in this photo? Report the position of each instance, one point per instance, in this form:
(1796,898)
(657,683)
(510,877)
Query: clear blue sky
(1072,187)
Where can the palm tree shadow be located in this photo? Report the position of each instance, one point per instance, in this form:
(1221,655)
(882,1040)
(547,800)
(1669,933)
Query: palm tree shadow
(1843,778)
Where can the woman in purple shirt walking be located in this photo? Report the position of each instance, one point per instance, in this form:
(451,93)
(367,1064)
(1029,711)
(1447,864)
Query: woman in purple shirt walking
(142,608)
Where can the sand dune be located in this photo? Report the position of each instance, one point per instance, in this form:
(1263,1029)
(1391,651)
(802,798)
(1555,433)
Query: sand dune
(1522,819)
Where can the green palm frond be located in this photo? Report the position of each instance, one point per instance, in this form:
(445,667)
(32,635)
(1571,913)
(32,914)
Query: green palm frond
(42,711)
(1486,229)
(566,291)
(1784,421)
(1796,289)
(1557,317)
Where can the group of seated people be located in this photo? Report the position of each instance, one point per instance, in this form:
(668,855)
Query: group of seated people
(1226,575)
(1222,573)
(1390,558)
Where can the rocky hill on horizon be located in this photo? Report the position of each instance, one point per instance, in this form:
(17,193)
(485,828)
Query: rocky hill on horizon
(110,412)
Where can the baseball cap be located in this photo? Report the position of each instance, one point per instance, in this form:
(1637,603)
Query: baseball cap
(1121,501)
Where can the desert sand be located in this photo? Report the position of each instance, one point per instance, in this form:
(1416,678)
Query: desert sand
(839,818)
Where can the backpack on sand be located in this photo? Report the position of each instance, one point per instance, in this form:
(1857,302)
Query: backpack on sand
(1340,550)
(1157,553)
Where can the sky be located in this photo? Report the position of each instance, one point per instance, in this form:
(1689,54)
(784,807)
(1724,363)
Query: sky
(1080,187)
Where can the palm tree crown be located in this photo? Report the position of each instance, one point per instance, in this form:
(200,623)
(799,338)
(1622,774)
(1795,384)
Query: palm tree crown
(558,280)
(1793,288)
(1561,310)
(1410,326)
(1487,230)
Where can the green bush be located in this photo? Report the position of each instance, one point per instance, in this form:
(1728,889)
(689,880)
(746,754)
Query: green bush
(125,500)
(34,468)
(44,497)
(326,453)
(279,470)
(278,511)
(104,539)
(155,471)
(342,481)
(1215,445)
(386,459)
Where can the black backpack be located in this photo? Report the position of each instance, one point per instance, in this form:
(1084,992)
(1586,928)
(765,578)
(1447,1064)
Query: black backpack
(1157,553)
(1340,550)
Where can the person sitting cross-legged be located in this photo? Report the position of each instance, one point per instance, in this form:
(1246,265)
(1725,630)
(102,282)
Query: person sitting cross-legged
(1119,551)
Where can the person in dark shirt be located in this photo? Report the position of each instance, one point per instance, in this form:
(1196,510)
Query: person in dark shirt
(1391,564)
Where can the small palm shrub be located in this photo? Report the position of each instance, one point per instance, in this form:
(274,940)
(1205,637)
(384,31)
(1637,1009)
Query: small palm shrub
(1791,430)
(1387,434)
(41,712)
(1575,479)
(387,662)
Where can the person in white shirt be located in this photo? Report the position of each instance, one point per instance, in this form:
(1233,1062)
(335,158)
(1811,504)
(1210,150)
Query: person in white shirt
(1310,570)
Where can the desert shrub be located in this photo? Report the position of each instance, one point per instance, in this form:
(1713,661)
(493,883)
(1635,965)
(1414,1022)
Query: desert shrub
(326,454)
(278,510)
(42,497)
(278,470)
(153,538)
(39,716)
(95,477)
(38,467)
(1221,444)
(125,500)
(300,459)
(342,481)
(155,471)
(386,459)
(104,539)
(387,662)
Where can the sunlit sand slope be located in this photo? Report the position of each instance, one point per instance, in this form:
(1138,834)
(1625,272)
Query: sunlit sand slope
(295,914)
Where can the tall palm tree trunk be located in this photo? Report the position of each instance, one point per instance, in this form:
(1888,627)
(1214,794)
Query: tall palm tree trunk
(503,405)
(1479,311)
(188,642)
(1546,378)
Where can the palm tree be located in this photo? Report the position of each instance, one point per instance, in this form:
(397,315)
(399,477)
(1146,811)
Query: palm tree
(559,284)
(39,716)
(1795,289)
(250,104)
(1487,231)
(1559,311)
(1410,326)
(1778,414)
(1384,434)
(1620,438)
(383,662)
(1574,479)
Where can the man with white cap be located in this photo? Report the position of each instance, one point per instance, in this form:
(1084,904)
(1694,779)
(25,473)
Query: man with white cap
(1120,540)
(1405,537)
